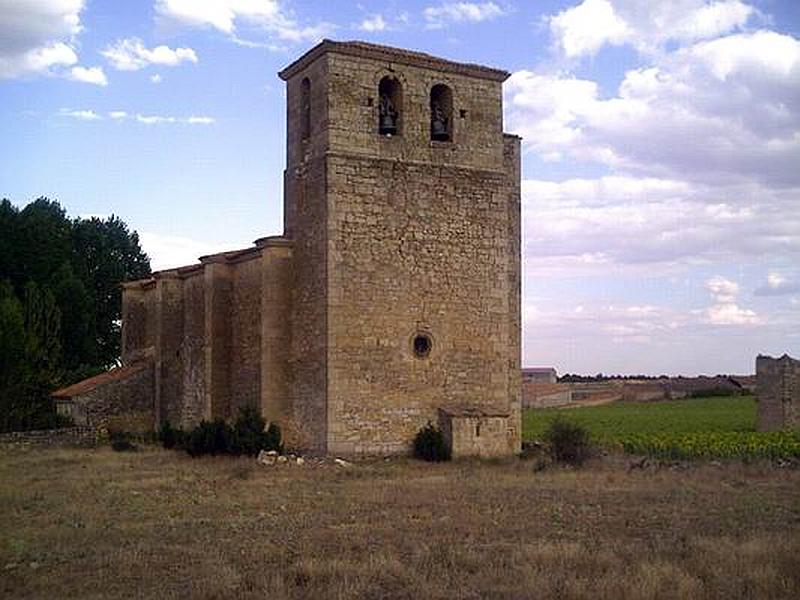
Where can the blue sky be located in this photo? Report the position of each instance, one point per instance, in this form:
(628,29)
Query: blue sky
(661,167)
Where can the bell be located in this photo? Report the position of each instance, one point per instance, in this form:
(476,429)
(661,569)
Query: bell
(439,130)
(387,124)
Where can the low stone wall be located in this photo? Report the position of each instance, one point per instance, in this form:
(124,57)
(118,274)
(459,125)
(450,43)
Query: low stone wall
(545,395)
(65,436)
(778,393)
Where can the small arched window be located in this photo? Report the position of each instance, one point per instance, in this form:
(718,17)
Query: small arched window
(305,108)
(441,113)
(390,106)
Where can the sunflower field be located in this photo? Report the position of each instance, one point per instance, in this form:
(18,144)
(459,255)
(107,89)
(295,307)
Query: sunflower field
(721,427)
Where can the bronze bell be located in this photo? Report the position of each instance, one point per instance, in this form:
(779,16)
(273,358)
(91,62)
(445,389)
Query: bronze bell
(387,124)
(439,130)
(387,116)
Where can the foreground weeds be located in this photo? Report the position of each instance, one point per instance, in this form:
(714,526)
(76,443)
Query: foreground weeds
(158,524)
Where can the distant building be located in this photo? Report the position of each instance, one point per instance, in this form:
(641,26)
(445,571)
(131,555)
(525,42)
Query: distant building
(539,375)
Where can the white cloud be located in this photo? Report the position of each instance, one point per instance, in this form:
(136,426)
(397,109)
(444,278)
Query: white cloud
(156,78)
(231,16)
(586,28)
(121,115)
(778,284)
(723,290)
(154,119)
(719,111)
(81,115)
(37,36)
(459,12)
(647,224)
(373,23)
(93,75)
(161,119)
(731,314)
(131,55)
(725,311)
(647,26)
(200,120)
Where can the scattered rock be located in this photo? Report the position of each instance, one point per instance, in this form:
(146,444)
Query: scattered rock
(10,566)
(267,458)
(34,565)
(342,463)
(300,460)
(282,459)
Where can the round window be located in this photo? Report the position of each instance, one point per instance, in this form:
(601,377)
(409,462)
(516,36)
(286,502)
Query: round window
(422,345)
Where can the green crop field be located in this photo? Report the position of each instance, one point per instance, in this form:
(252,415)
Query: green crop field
(721,427)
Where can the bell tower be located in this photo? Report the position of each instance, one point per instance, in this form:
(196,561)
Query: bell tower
(402,200)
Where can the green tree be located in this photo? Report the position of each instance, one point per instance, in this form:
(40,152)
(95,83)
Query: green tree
(60,302)
(78,338)
(106,253)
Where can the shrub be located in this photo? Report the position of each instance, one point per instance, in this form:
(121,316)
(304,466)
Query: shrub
(430,445)
(248,433)
(167,435)
(120,441)
(209,437)
(272,438)
(247,436)
(569,442)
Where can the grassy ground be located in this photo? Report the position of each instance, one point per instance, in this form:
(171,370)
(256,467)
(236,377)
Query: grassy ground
(719,414)
(721,427)
(158,524)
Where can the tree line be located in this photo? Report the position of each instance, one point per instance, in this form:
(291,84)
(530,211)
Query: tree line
(60,303)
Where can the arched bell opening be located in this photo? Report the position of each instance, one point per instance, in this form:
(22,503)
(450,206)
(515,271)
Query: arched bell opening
(441,113)
(390,107)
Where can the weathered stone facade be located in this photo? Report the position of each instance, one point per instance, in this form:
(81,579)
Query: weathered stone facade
(394,292)
(778,393)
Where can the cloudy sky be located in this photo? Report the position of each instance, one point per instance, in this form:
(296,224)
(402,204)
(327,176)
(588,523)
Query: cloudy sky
(661,167)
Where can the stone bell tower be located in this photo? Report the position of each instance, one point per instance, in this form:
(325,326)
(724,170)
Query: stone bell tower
(402,199)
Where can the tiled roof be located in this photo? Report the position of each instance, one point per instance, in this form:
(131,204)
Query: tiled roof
(114,374)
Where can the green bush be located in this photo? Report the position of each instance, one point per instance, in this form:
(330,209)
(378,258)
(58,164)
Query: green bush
(430,445)
(246,436)
(168,436)
(209,437)
(120,441)
(272,438)
(569,442)
(249,436)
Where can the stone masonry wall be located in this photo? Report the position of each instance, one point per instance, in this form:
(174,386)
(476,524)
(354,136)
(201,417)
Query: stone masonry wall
(192,352)
(512,168)
(414,247)
(245,359)
(276,332)
(778,393)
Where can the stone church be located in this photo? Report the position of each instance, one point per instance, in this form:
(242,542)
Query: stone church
(392,297)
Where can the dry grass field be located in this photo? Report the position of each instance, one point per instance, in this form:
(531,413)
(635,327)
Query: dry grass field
(158,524)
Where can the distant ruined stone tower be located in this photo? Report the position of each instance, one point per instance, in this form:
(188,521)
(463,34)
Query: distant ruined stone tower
(778,392)
(393,297)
